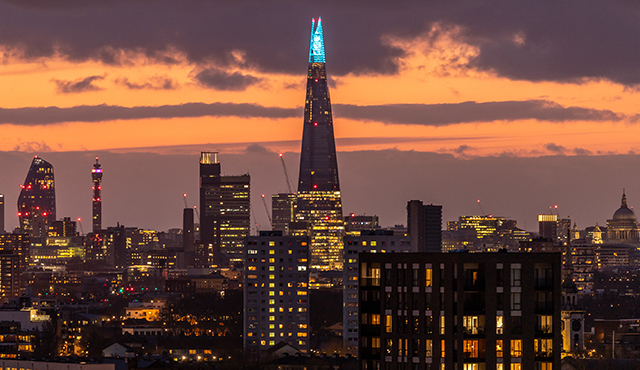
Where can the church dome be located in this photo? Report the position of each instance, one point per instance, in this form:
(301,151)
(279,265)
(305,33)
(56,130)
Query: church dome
(624,213)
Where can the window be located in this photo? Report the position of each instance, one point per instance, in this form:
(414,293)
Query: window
(516,301)
(499,324)
(544,366)
(544,324)
(441,324)
(442,351)
(516,366)
(543,347)
(388,324)
(428,347)
(473,324)
(470,348)
(429,277)
(516,277)
(516,347)
(375,319)
(499,348)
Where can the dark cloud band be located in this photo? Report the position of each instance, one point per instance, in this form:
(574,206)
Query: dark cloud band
(542,40)
(408,114)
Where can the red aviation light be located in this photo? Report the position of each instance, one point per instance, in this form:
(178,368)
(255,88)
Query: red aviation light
(19,214)
(37,207)
(315,123)
(21,186)
(26,214)
(280,155)
(78,219)
(316,80)
(353,215)
(98,199)
(315,186)
(44,214)
(29,186)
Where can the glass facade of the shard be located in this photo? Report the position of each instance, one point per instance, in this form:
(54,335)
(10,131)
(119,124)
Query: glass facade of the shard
(319,201)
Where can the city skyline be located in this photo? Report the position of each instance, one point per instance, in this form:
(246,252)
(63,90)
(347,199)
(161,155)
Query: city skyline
(412,87)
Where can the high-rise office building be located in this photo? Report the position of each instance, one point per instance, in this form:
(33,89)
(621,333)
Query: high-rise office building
(276,292)
(466,311)
(424,224)
(14,260)
(2,214)
(225,209)
(548,226)
(37,200)
(283,211)
(96,177)
(319,199)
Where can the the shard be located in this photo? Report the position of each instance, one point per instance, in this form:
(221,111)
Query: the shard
(319,201)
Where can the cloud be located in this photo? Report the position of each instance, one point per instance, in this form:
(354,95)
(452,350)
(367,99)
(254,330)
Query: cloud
(406,114)
(32,147)
(582,151)
(96,113)
(154,83)
(543,40)
(78,86)
(556,149)
(454,113)
(221,80)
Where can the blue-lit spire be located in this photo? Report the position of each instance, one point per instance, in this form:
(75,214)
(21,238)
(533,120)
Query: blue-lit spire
(316,46)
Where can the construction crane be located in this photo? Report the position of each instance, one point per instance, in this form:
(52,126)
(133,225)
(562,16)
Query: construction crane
(186,205)
(80,223)
(267,210)
(286,175)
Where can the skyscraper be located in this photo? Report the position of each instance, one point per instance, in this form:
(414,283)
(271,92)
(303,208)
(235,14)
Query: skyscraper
(283,209)
(37,200)
(319,200)
(424,224)
(96,176)
(1,213)
(225,209)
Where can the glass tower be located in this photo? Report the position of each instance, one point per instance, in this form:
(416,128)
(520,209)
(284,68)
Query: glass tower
(37,200)
(319,202)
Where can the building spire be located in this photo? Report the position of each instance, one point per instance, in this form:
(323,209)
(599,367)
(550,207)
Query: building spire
(316,44)
(624,199)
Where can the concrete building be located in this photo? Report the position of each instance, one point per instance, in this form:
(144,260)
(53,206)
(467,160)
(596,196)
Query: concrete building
(371,241)
(276,292)
(463,311)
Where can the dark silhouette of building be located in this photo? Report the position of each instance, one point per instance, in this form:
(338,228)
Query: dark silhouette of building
(319,199)
(63,228)
(188,227)
(37,200)
(2,230)
(283,211)
(96,177)
(460,310)
(424,224)
(225,209)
